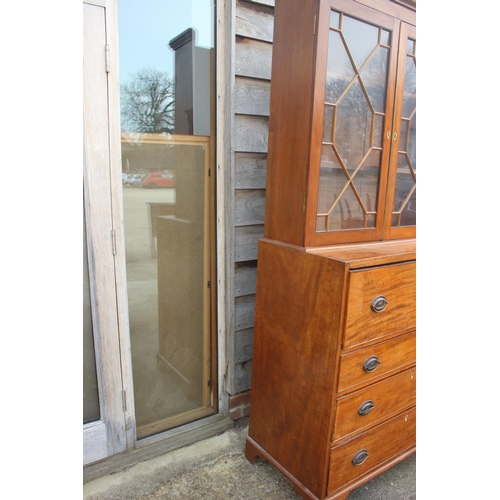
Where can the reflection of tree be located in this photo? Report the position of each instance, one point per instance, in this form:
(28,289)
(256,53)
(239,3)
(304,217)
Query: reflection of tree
(148,102)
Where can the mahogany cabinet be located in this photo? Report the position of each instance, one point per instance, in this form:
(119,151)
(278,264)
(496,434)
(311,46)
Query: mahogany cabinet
(342,125)
(333,393)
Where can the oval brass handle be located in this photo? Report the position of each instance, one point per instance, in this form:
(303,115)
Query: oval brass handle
(366,408)
(379,304)
(371,364)
(360,457)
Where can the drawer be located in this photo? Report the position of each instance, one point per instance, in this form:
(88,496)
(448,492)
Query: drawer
(393,288)
(378,445)
(374,403)
(371,363)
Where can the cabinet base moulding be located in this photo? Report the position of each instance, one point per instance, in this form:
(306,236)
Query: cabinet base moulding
(253,451)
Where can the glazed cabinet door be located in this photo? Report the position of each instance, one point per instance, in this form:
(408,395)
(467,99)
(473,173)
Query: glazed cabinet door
(401,202)
(364,129)
(358,103)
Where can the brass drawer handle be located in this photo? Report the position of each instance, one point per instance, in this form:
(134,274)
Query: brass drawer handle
(379,304)
(371,364)
(366,408)
(360,457)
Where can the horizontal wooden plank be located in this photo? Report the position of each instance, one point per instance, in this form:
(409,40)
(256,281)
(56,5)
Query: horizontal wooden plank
(253,58)
(263,2)
(251,96)
(244,311)
(243,345)
(242,378)
(249,206)
(250,134)
(246,240)
(254,21)
(245,277)
(250,170)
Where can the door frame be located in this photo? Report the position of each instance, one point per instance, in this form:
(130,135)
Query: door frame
(224,63)
(108,435)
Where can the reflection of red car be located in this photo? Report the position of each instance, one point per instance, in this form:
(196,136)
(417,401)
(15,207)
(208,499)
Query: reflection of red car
(159,179)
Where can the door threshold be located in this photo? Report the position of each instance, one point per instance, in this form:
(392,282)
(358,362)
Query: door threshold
(159,444)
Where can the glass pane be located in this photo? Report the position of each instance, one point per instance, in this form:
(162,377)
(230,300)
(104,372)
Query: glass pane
(412,143)
(404,206)
(374,78)
(339,70)
(366,181)
(385,37)
(410,47)
(410,88)
(405,186)
(355,116)
(328,124)
(91,411)
(361,38)
(166,70)
(348,213)
(332,180)
(334,19)
(353,127)
(378,132)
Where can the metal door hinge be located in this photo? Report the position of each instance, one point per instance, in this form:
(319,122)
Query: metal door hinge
(124,400)
(113,241)
(314,31)
(209,284)
(304,204)
(108,65)
(209,172)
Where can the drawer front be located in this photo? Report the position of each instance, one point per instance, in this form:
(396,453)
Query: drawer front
(371,449)
(371,363)
(374,403)
(380,301)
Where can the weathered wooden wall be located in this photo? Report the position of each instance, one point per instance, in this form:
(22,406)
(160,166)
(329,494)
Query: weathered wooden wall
(252,81)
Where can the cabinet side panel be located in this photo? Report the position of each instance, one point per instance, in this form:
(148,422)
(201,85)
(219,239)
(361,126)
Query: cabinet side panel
(290,119)
(297,318)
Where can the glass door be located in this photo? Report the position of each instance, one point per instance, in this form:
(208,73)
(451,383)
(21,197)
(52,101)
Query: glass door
(402,206)
(358,111)
(166,85)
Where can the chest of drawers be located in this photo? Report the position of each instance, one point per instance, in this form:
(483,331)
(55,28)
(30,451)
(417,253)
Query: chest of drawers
(334,363)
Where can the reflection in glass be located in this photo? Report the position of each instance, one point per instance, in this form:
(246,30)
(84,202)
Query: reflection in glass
(361,38)
(166,70)
(366,180)
(374,76)
(328,124)
(385,37)
(410,88)
(91,411)
(378,132)
(410,47)
(334,19)
(353,127)
(339,70)
(404,206)
(354,118)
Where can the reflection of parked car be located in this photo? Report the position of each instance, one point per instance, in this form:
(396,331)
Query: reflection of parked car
(159,179)
(135,179)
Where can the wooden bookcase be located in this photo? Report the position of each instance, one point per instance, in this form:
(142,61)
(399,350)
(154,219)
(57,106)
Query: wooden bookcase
(334,364)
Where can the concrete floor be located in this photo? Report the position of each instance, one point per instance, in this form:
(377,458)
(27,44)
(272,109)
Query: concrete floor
(216,469)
